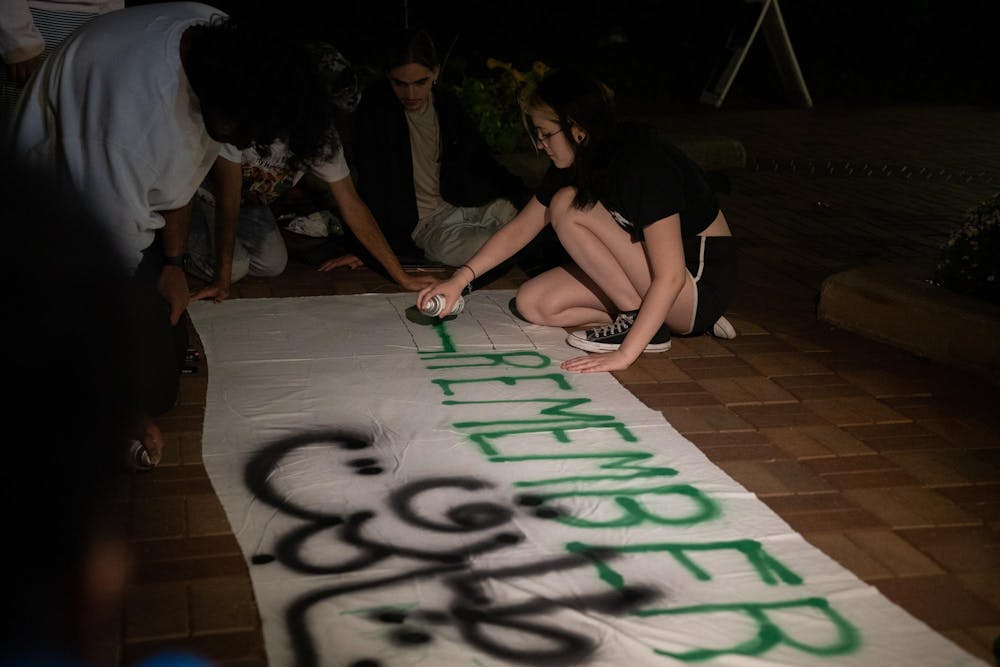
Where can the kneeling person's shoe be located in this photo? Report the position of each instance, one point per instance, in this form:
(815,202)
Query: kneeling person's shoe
(609,338)
(723,329)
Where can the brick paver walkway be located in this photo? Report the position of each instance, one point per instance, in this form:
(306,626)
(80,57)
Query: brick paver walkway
(888,463)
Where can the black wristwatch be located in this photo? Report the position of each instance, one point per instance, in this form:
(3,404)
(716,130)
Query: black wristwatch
(176,260)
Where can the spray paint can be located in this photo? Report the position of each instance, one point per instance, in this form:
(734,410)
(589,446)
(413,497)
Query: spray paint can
(432,306)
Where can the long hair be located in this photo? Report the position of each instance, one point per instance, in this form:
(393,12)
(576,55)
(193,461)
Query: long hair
(268,83)
(575,98)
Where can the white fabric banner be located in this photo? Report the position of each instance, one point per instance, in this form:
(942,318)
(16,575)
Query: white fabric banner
(411,491)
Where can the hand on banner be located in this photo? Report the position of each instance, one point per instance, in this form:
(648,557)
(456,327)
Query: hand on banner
(217,292)
(596,363)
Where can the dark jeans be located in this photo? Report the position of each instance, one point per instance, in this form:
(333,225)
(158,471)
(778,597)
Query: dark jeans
(161,346)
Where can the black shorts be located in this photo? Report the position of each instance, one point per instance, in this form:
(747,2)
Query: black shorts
(711,260)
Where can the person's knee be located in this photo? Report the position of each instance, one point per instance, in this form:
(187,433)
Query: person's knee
(459,249)
(534,304)
(204,268)
(262,243)
(276,267)
(450,256)
(272,262)
(501,212)
(241,267)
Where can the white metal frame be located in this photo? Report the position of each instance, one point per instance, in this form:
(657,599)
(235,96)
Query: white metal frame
(769,18)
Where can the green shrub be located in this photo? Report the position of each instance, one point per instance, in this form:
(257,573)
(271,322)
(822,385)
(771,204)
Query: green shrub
(970,262)
(494,101)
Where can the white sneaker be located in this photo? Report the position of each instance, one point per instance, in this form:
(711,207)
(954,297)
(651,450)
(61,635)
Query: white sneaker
(723,329)
(316,224)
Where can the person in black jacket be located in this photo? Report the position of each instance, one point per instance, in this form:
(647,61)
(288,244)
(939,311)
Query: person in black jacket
(427,175)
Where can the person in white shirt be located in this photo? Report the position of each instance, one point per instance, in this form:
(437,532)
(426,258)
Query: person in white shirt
(132,110)
(30,30)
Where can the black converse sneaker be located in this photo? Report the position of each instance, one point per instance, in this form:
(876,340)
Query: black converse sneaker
(609,338)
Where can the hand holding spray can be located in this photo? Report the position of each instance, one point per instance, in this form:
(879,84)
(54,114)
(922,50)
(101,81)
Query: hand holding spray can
(434,305)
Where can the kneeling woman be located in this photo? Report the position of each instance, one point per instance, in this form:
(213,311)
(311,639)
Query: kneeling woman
(652,253)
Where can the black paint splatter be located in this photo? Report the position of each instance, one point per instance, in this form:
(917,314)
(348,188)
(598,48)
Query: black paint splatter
(411,636)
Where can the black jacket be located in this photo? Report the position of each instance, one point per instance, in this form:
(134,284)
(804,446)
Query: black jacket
(470,175)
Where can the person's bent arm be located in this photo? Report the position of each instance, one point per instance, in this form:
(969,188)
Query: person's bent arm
(172,282)
(504,243)
(361,221)
(668,271)
(228,178)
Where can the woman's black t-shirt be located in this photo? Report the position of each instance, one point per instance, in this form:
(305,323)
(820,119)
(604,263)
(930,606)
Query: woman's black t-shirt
(648,179)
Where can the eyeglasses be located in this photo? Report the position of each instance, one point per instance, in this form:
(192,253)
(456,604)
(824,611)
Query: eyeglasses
(543,137)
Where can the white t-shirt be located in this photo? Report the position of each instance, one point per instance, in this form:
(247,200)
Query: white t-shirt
(113,112)
(267,178)
(425,150)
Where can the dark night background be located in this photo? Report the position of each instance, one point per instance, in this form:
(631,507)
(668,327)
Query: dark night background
(664,53)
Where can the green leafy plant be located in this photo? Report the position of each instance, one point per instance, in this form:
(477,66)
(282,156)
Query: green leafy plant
(970,261)
(495,102)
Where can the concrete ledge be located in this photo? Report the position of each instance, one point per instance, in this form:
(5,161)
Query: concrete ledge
(896,305)
(713,153)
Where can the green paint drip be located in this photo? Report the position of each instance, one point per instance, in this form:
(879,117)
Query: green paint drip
(604,571)
(442,331)
(769,634)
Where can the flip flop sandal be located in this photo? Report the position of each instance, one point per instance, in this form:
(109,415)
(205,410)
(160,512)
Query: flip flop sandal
(138,458)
